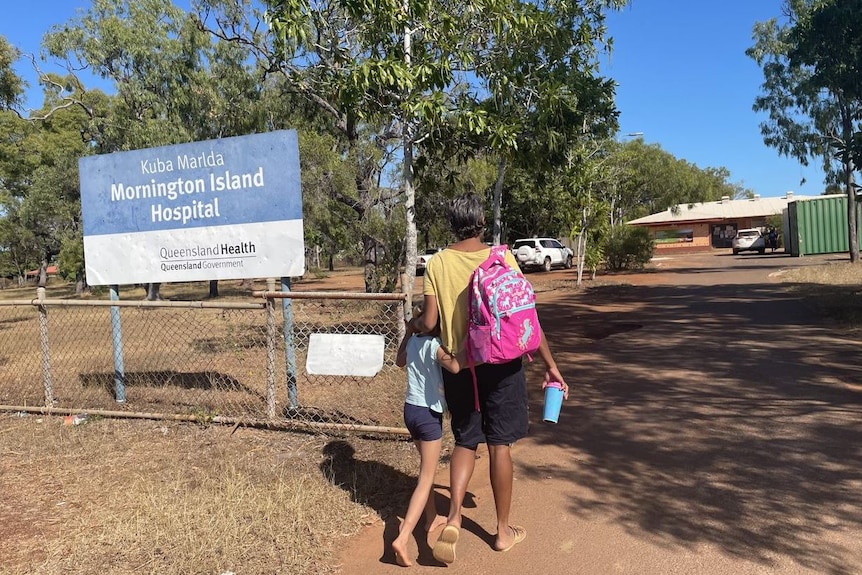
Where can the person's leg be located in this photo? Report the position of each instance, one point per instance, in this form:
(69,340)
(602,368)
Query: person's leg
(429,452)
(504,404)
(421,500)
(460,471)
(468,434)
(502,476)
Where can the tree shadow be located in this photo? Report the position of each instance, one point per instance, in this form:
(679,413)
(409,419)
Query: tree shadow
(387,491)
(719,414)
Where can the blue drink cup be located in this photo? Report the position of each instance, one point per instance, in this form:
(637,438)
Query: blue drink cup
(553,401)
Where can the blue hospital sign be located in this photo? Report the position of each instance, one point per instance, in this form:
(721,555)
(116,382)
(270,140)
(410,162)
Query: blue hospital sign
(220,209)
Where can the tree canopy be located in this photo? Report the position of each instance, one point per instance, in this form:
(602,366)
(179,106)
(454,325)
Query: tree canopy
(399,106)
(812,91)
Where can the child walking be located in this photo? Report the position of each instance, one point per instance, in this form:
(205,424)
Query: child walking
(423,415)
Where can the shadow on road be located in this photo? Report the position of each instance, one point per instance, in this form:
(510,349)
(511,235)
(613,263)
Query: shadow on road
(722,414)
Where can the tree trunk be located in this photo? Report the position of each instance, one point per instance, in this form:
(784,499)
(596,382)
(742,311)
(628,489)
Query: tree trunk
(498,200)
(43,274)
(410,233)
(582,254)
(369,248)
(849,189)
(331,262)
(153,292)
(213,289)
(80,283)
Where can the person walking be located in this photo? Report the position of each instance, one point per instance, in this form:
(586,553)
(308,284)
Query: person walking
(502,417)
(423,416)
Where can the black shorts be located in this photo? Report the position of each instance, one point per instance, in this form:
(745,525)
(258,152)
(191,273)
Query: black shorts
(503,415)
(423,423)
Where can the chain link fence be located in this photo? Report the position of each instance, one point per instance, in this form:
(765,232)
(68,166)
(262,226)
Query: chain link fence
(241,362)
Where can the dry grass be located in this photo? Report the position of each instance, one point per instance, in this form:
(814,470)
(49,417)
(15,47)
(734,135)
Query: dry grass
(138,496)
(833,289)
(116,496)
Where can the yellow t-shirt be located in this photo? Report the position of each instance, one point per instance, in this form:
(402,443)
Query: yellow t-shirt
(447,278)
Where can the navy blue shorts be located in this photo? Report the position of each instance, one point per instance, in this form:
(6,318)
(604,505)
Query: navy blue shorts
(503,417)
(423,423)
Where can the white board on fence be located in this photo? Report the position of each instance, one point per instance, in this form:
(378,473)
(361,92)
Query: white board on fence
(345,354)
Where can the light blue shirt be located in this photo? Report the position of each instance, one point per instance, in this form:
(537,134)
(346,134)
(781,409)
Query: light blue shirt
(424,374)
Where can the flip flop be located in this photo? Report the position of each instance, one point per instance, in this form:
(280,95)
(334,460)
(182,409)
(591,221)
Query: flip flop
(520,535)
(444,548)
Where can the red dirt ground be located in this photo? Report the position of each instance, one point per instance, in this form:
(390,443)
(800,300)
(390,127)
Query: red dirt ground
(712,428)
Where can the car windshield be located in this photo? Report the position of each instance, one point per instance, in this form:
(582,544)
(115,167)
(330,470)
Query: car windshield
(749,234)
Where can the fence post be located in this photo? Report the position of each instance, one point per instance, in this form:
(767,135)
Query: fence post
(117,342)
(47,378)
(289,351)
(270,351)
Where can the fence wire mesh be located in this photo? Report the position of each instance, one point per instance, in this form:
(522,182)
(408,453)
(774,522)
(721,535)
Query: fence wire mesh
(237,361)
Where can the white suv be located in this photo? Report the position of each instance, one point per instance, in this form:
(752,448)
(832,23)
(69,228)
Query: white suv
(749,240)
(542,252)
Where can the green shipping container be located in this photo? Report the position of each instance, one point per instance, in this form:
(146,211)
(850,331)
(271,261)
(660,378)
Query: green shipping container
(819,226)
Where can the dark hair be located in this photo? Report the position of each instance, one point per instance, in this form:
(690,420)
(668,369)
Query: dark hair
(467,216)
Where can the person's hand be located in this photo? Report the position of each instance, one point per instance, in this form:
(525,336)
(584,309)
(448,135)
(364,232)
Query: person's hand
(553,374)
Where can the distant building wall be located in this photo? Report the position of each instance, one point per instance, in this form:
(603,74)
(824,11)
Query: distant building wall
(680,236)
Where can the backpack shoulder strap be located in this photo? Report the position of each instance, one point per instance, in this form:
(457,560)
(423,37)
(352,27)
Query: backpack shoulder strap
(496,255)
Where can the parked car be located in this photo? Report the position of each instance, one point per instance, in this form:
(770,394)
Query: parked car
(544,253)
(749,240)
(422,259)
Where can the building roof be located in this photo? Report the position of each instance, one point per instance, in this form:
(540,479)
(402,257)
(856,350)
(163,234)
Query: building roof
(724,209)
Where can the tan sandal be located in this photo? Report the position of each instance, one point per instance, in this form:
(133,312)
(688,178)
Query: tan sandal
(520,534)
(444,548)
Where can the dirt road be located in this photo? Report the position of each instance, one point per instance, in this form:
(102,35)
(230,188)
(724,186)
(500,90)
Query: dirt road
(713,427)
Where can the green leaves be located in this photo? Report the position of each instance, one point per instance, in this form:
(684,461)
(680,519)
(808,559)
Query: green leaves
(11,85)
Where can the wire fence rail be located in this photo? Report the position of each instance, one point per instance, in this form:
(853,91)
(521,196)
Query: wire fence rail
(241,363)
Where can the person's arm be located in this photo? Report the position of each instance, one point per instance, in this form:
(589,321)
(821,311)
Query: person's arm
(551,371)
(401,356)
(449,361)
(426,322)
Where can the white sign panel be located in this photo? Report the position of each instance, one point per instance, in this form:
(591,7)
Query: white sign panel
(345,354)
(220,209)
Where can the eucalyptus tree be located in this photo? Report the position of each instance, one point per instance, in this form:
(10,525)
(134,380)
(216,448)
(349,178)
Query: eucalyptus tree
(643,178)
(11,84)
(171,83)
(408,72)
(544,94)
(811,89)
(344,58)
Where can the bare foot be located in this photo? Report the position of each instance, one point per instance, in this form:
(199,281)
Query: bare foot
(438,521)
(400,549)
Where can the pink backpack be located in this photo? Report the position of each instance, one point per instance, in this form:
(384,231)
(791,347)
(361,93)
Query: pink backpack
(502,323)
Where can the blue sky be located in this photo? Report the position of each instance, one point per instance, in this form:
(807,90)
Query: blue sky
(684,81)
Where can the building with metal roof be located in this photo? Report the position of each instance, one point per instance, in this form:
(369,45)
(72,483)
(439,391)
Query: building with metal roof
(708,225)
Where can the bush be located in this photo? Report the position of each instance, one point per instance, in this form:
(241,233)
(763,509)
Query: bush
(628,248)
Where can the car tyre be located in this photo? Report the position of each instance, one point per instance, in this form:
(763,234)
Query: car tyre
(761,251)
(547,265)
(568,264)
(736,252)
